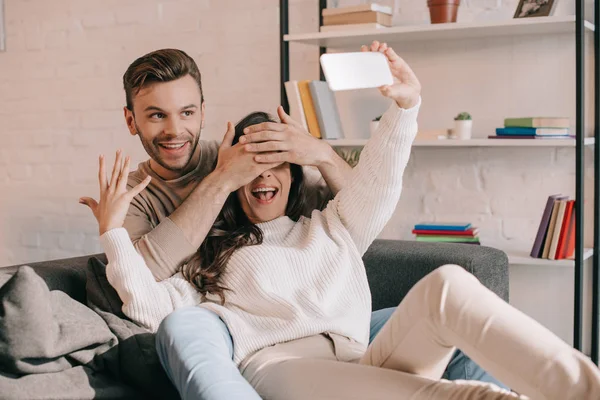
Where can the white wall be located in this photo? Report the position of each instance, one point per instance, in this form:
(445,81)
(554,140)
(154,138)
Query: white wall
(61,101)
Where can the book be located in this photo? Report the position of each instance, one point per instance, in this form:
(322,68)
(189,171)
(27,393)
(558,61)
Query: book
(529,137)
(295,102)
(443,226)
(309,109)
(471,232)
(446,239)
(358,18)
(537,122)
(518,131)
(358,8)
(536,250)
(347,27)
(550,231)
(560,249)
(560,215)
(326,109)
(570,239)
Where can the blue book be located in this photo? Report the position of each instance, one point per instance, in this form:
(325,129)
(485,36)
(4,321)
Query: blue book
(515,131)
(443,226)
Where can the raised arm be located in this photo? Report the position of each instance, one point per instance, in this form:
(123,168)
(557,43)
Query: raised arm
(369,199)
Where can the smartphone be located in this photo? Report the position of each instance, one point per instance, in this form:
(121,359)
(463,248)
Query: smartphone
(359,70)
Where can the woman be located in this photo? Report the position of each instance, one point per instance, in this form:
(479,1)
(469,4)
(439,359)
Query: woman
(295,297)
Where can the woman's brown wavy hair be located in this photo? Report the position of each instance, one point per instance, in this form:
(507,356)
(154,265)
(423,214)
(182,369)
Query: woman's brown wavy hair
(232,228)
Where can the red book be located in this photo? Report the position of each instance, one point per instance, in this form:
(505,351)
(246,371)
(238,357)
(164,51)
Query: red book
(569,250)
(471,232)
(560,249)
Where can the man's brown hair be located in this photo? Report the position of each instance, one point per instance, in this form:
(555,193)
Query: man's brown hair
(164,65)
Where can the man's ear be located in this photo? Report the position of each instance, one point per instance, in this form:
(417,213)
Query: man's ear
(203,108)
(130,120)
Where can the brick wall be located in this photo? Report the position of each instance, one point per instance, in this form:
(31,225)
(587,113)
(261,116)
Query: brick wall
(61,105)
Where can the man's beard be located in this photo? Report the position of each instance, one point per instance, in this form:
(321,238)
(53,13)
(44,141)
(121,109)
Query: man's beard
(153,150)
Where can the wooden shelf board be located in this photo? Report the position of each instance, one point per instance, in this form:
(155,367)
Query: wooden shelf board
(473,142)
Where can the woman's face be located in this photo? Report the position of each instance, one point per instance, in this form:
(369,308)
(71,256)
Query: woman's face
(265,198)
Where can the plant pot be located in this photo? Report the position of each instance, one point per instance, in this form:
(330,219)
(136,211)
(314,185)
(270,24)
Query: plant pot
(373,125)
(443,11)
(462,129)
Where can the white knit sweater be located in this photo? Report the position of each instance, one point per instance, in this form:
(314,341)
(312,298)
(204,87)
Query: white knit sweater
(307,277)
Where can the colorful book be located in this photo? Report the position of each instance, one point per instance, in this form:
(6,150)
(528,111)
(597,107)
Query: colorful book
(295,102)
(443,226)
(550,231)
(537,249)
(468,232)
(560,215)
(358,8)
(570,239)
(309,109)
(516,131)
(326,109)
(537,122)
(529,137)
(560,250)
(353,27)
(446,239)
(361,17)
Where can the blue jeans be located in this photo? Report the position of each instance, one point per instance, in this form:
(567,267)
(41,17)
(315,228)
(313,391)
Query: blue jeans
(196,350)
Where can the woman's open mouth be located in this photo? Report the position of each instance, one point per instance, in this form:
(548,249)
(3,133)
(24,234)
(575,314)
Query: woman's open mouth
(265,195)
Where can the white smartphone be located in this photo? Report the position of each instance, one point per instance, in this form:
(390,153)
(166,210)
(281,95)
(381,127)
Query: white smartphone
(360,70)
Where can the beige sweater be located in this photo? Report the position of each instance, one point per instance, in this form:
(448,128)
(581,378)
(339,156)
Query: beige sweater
(307,277)
(158,239)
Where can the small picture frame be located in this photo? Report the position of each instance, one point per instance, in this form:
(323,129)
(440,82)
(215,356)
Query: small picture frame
(534,8)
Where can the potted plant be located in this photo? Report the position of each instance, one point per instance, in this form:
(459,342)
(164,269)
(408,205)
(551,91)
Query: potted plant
(463,125)
(442,11)
(374,124)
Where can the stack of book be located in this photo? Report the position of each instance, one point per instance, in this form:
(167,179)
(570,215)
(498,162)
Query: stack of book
(313,104)
(533,128)
(363,16)
(446,232)
(555,239)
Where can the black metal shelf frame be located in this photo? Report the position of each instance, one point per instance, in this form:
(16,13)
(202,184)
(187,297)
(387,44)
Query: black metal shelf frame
(579,160)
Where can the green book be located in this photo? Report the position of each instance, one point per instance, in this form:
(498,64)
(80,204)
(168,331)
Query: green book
(446,239)
(537,122)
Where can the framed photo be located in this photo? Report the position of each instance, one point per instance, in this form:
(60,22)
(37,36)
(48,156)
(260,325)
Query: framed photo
(534,8)
(2,29)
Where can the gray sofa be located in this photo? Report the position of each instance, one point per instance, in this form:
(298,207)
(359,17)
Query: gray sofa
(393,267)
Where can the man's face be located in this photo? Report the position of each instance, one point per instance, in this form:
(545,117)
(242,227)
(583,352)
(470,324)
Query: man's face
(168,118)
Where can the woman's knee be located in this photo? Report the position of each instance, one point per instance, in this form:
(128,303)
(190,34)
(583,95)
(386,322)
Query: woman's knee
(182,320)
(449,274)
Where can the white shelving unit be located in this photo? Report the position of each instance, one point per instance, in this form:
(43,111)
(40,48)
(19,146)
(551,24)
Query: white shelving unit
(473,143)
(457,31)
(522,257)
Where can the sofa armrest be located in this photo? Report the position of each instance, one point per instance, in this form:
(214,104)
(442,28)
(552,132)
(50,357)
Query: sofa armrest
(394,266)
(67,275)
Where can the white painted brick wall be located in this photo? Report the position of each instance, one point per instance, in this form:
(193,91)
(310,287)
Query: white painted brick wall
(61,104)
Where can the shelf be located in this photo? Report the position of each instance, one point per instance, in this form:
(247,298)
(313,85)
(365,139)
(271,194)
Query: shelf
(452,31)
(517,257)
(474,143)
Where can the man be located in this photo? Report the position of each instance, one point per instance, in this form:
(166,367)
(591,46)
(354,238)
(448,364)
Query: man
(169,219)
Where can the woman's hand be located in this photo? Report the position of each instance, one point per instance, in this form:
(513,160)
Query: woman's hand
(285,141)
(406,88)
(114,196)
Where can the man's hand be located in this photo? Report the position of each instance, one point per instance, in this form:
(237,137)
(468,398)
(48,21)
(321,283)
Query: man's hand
(236,165)
(285,142)
(406,88)
(114,196)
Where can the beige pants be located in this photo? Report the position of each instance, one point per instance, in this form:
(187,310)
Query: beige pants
(448,308)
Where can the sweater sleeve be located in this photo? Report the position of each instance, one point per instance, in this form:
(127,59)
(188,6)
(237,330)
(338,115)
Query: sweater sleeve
(367,203)
(164,246)
(145,301)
